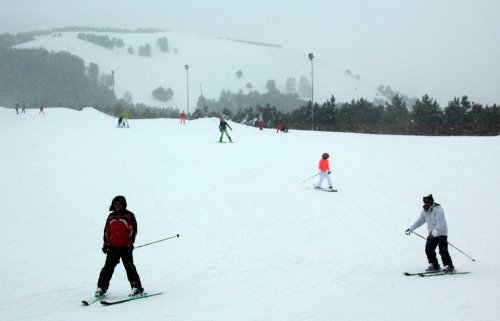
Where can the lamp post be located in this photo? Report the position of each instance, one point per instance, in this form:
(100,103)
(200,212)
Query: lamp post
(113,87)
(311,57)
(187,87)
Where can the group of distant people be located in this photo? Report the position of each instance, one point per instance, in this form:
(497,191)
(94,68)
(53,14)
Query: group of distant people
(279,128)
(23,109)
(223,125)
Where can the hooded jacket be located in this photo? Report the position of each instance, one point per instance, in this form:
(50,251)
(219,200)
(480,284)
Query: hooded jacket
(436,222)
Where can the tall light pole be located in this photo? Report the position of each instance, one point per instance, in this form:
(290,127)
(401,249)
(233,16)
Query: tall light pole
(311,57)
(113,86)
(187,87)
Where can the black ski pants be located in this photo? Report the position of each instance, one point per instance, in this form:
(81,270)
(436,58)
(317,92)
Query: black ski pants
(430,250)
(113,257)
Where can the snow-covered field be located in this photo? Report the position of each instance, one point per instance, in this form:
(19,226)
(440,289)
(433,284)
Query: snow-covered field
(256,242)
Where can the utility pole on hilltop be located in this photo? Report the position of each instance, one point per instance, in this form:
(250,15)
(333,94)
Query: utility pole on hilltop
(187,87)
(113,87)
(311,57)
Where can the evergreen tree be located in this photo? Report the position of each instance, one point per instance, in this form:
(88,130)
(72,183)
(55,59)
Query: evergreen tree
(427,116)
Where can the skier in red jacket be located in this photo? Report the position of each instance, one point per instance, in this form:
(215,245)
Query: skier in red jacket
(324,171)
(119,237)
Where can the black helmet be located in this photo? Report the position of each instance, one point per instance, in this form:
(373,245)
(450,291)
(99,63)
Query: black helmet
(325,155)
(120,199)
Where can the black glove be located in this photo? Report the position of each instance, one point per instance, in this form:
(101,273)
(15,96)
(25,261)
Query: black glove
(408,231)
(105,248)
(329,172)
(130,249)
(430,237)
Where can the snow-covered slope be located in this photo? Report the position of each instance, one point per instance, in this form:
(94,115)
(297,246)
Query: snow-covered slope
(213,66)
(256,243)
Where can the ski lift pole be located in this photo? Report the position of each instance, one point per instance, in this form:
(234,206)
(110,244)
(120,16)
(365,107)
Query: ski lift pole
(310,178)
(456,248)
(168,238)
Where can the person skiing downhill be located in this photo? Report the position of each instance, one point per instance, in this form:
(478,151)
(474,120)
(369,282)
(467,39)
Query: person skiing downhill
(324,171)
(433,215)
(119,237)
(183,117)
(223,130)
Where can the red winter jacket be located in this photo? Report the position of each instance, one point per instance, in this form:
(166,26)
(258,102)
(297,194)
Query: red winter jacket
(324,165)
(120,229)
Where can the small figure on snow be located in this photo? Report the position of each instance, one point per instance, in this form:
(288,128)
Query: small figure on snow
(119,237)
(17,108)
(433,215)
(261,121)
(223,129)
(119,121)
(41,111)
(324,171)
(23,109)
(183,117)
(281,128)
(125,116)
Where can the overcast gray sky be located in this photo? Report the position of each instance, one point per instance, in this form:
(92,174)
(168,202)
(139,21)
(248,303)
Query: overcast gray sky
(444,48)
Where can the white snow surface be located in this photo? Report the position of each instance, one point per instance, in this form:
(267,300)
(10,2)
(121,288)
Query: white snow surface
(256,242)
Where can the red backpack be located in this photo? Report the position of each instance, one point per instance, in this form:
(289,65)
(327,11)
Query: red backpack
(119,230)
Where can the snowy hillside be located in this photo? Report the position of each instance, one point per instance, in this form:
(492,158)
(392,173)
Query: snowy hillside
(256,243)
(213,65)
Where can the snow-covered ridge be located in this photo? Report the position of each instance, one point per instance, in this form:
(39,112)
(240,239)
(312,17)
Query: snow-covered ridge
(213,67)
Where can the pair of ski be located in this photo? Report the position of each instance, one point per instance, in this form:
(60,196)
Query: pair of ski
(435,273)
(123,300)
(326,189)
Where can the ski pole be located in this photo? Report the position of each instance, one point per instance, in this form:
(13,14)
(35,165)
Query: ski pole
(310,178)
(449,245)
(168,238)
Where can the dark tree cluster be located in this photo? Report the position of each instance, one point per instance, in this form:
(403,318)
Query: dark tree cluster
(459,117)
(7,40)
(103,41)
(36,77)
(235,101)
(163,94)
(139,111)
(163,44)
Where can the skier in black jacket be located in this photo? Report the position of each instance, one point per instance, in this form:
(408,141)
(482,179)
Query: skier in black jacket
(223,130)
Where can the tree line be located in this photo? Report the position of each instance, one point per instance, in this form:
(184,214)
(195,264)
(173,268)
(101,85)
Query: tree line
(36,78)
(425,117)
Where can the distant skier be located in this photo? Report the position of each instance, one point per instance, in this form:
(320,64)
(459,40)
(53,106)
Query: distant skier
(125,116)
(324,171)
(261,121)
(119,121)
(433,215)
(17,108)
(119,237)
(183,117)
(281,128)
(41,111)
(23,109)
(223,129)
